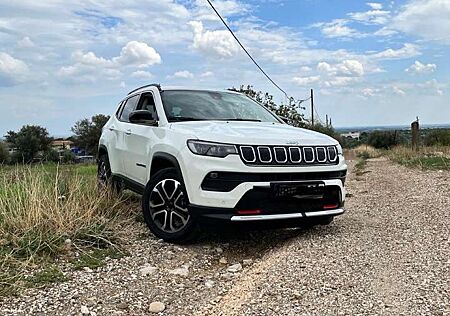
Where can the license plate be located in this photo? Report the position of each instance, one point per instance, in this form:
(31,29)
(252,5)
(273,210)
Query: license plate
(305,190)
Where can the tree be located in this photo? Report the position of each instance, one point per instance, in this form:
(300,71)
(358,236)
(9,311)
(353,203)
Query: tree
(87,132)
(289,111)
(384,139)
(4,154)
(438,137)
(28,142)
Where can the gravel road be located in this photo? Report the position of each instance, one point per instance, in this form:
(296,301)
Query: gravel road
(389,254)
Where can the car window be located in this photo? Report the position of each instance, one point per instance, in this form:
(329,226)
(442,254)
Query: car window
(147,103)
(129,107)
(183,105)
(119,109)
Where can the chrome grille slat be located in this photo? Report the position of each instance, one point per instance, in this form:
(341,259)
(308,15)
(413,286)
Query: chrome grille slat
(288,155)
(259,154)
(276,155)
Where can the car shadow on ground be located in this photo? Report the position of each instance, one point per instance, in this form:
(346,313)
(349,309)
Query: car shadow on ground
(255,243)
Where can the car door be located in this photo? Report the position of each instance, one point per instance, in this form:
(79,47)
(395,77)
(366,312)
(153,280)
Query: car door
(141,141)
(123,131)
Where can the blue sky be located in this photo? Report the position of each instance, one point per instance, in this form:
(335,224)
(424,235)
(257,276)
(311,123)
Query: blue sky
(370,63)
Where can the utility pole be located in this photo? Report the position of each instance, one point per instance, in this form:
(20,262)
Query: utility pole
(312,107)
(326,120)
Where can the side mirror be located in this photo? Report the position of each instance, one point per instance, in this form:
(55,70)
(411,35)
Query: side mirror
(143,117)
(284,119)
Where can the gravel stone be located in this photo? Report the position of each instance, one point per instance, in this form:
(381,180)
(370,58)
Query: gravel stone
(147,270)
(235,268)
(387,255)
(156,307)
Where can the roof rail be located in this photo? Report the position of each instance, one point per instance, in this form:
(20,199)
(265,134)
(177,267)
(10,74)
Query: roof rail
(148,85)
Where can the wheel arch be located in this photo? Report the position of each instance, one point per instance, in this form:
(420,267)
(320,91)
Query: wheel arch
(162,160)
(102,150)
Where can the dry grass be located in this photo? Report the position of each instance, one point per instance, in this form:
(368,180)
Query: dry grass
(434,158)
(366,151)
(42,207)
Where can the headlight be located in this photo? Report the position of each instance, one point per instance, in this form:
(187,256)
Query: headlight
(339,149)
(203,148)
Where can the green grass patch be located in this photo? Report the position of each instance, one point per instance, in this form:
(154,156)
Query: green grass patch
(96,258)
(432,163)
(427,158)
(48,275)
(360,166)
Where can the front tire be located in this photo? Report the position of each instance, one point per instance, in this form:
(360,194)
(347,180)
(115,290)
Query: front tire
(165,207)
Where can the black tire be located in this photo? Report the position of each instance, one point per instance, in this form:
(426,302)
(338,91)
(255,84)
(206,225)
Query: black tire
(166,213)
(105,180)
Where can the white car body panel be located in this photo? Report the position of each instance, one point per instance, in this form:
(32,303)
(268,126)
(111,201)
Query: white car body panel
(131,148)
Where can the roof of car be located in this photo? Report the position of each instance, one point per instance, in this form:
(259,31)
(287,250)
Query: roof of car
(182,88)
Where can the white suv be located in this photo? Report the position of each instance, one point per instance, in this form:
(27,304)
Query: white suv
(205,156)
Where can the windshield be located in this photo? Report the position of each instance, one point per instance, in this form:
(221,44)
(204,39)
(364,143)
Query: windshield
(183,105)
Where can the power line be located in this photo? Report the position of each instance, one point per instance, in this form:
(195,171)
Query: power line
(245,50)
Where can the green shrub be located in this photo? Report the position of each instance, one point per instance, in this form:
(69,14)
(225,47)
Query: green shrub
(327,130)
(67,156)
(384,139)
(51,155)
(4,154)
(438,137)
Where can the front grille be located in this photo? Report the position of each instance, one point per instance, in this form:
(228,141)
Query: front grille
(288,155)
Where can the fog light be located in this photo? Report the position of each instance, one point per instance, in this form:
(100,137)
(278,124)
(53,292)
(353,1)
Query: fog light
(213,175)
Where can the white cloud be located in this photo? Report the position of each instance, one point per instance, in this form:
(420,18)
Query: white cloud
(137,54)
(350,67)
(183,74)
(385,31)
(419,68)
(305,69)
(408,50)
(432,86)
(338,28)
(306,81)
(207,74)
(88,67)
(371,16)
(12,71)
(25,42)
(375,5)
(213,43)
(226,8)
(428,19)
(369,92)
(142,74)
(398,91)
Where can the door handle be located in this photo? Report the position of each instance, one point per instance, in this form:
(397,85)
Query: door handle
(112,127)
(128,132)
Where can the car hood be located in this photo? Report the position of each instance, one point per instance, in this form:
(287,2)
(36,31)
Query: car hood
(252,133)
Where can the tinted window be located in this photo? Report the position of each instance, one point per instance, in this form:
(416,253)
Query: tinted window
(148,103)
(183,105)
(119,109)
(129,107)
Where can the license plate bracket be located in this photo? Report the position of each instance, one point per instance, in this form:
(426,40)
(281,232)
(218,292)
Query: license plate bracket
(305,190)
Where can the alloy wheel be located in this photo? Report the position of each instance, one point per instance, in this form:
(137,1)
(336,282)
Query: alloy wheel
(168,207)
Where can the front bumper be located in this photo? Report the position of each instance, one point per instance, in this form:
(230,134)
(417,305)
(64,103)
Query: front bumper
(195,168)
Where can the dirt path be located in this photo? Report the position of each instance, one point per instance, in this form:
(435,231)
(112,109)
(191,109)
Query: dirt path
(388,255)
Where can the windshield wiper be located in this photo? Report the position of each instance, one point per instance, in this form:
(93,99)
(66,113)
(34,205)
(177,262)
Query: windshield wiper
(241,119)
(184,118)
